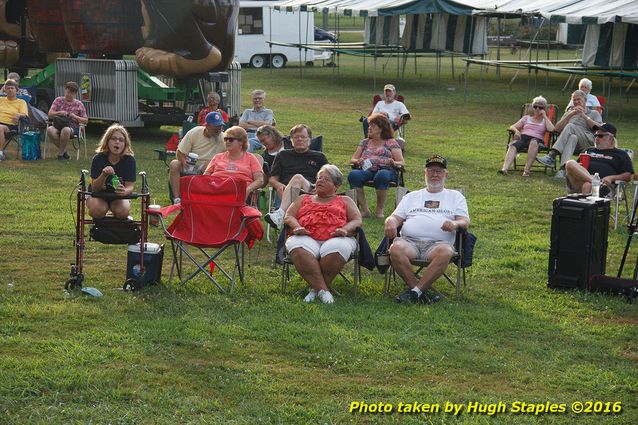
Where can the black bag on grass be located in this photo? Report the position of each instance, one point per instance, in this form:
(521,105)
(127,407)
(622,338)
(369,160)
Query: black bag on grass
(614,285)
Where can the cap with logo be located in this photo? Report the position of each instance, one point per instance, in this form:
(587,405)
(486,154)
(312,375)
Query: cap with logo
(214,118)
(389,87)
(436,160)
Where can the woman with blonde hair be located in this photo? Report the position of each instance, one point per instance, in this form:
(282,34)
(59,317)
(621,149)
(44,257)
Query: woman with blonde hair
(112,170)
(236,161)
(528,134)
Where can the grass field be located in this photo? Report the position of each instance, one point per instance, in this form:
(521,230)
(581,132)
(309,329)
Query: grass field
(258,356)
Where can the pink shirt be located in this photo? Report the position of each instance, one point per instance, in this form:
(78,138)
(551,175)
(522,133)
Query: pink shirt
(531,128)
(76,107)
(222,166)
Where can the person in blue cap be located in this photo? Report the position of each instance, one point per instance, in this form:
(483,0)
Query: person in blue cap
(202,143)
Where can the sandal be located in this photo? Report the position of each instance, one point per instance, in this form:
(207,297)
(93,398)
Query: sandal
(526,174)
(502,172)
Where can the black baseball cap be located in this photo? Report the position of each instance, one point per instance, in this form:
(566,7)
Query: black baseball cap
(436,160)
(607,127)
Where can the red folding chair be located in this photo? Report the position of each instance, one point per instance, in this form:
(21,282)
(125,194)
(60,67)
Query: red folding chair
(213,217)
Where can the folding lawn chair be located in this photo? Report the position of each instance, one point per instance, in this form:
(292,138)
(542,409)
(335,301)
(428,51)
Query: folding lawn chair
(362,256)
(398,128)
(463,254)
(549,139)
(213,217)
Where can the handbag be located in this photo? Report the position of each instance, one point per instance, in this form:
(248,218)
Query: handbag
(59,122)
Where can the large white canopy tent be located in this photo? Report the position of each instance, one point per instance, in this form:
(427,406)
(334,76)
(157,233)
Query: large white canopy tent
(611,37)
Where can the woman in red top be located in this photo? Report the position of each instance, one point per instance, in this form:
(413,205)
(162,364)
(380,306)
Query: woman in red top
(323,227)
(212,104)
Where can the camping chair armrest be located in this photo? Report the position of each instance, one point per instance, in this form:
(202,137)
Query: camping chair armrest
(250,212)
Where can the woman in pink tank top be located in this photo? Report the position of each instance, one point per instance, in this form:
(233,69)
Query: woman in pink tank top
(528,134)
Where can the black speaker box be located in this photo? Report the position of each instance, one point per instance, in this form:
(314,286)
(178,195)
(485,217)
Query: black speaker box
(578,241)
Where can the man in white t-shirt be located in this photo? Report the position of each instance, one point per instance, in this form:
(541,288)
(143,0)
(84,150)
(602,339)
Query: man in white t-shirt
(390,107)
(430,218)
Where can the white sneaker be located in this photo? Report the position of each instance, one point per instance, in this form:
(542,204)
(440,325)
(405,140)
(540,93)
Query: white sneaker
(276,218)
(326,297)
(311,296)
(177,201)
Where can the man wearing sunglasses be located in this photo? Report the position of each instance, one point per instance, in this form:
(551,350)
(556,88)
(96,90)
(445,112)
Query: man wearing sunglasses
(610,163)
(575,132)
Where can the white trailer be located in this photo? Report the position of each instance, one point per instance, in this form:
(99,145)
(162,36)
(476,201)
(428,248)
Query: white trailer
(258,24)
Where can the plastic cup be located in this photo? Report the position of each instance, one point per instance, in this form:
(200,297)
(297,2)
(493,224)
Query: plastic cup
(153,220)
(191,163)
(584,159)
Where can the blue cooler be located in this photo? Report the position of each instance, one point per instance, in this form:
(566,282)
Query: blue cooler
(153,257)
(30,145)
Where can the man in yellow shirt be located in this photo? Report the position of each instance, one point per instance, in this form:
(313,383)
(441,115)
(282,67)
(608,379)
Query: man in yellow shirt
(12,110)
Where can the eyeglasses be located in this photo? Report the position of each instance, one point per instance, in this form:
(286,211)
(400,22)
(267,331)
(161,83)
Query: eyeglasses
(600,135)
(118,139)
(538,107)
(230,139)
(435,170)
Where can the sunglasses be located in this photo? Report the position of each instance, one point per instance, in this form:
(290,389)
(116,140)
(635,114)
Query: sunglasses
(230,139)
(599,135)
(538,107)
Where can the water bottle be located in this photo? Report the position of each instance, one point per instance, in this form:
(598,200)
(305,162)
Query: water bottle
(595,186)
(136,272)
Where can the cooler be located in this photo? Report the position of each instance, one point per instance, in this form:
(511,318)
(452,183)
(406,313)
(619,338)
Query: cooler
(578,241)
(153,257)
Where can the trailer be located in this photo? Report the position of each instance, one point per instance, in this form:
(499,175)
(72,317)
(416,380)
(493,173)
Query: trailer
(259,24)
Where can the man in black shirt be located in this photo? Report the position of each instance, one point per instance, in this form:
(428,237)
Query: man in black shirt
(610,163)
(296,167)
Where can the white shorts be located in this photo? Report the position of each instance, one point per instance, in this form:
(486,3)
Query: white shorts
(319,249)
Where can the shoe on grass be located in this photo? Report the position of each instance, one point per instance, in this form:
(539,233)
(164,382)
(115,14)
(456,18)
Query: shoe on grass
(325,297)
(560,174)
(429,298)
(311,296)
(276,218)
(546,160)
(408,296)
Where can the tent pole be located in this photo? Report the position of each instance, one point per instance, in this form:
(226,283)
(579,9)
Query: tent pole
(498,46)
(270,36)
(549,34)
(301,62)
(452,61)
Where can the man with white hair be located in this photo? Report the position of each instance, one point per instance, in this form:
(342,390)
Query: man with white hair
(585,86)
(429,219)
(611,164)
(575,132)
(389,106)
(255,117)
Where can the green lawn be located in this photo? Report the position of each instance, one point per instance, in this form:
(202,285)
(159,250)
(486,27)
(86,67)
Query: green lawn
(258,356)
